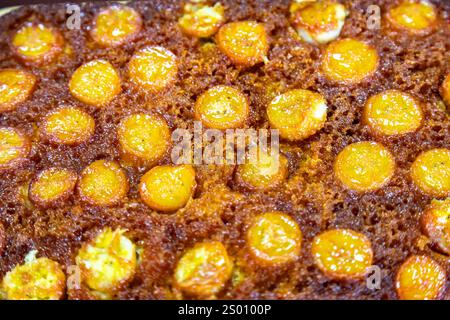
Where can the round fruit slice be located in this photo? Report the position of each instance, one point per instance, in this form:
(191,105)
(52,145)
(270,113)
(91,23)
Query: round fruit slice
(435,223)
(37,44)
(36,279)
(393,113)
(52,186)
(349,61)
(103,183)
(16,86)
(413,16)
(431,172)
(107,261)
(167,188)
(274,238)
(244,42)
(267,172)
(319,21)
(297,114)
(364,166)
(153,68)
(420,278)
(204,269)
(222,107)
(342,253)
(200,20)
(67,125)
(116,25)
(143,138)
(14,148)
(95,83)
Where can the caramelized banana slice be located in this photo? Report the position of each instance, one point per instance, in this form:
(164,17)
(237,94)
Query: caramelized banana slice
(420,278)
(393,112)
(413,16)
(103,183)
(364,166)
(37,44)
(95,83)
(244,42)
(204,269)
(431,172)
(16,86)
(435,223)
(445,90)
(267,172)
(274,238)
(297,114)
(14,148)
(153,68)
(36,279)
(342,253)
(116,25)
(200,20)
(168,188)
(67,125)
(319,21)
(222,107)
(349,61)
(52,186)
(143,138)
(107,261)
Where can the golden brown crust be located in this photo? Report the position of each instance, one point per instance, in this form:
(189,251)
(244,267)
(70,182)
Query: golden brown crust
(2,238)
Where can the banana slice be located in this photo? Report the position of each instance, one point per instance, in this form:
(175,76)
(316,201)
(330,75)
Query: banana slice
(143,139)
(392,113)
(67,125)
(204,269)
(267,172)
(16,86)
(153,68)
(297,114)
(244,42)
(342,253)
(435,223)
(14,148)
(107,262)
(95,83)
(201,20)
(37,44)
(168,188)
(222,107)
(274,238)
(36,279)
(420,278)
(349,61)
(431,172)
(116,25)
(103,183)
(320,21)
(414,16)
(364,166)
(52,186)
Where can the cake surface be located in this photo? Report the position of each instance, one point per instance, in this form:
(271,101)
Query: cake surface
(155,246)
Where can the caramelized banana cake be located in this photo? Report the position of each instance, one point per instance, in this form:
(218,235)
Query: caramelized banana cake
(357,205)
